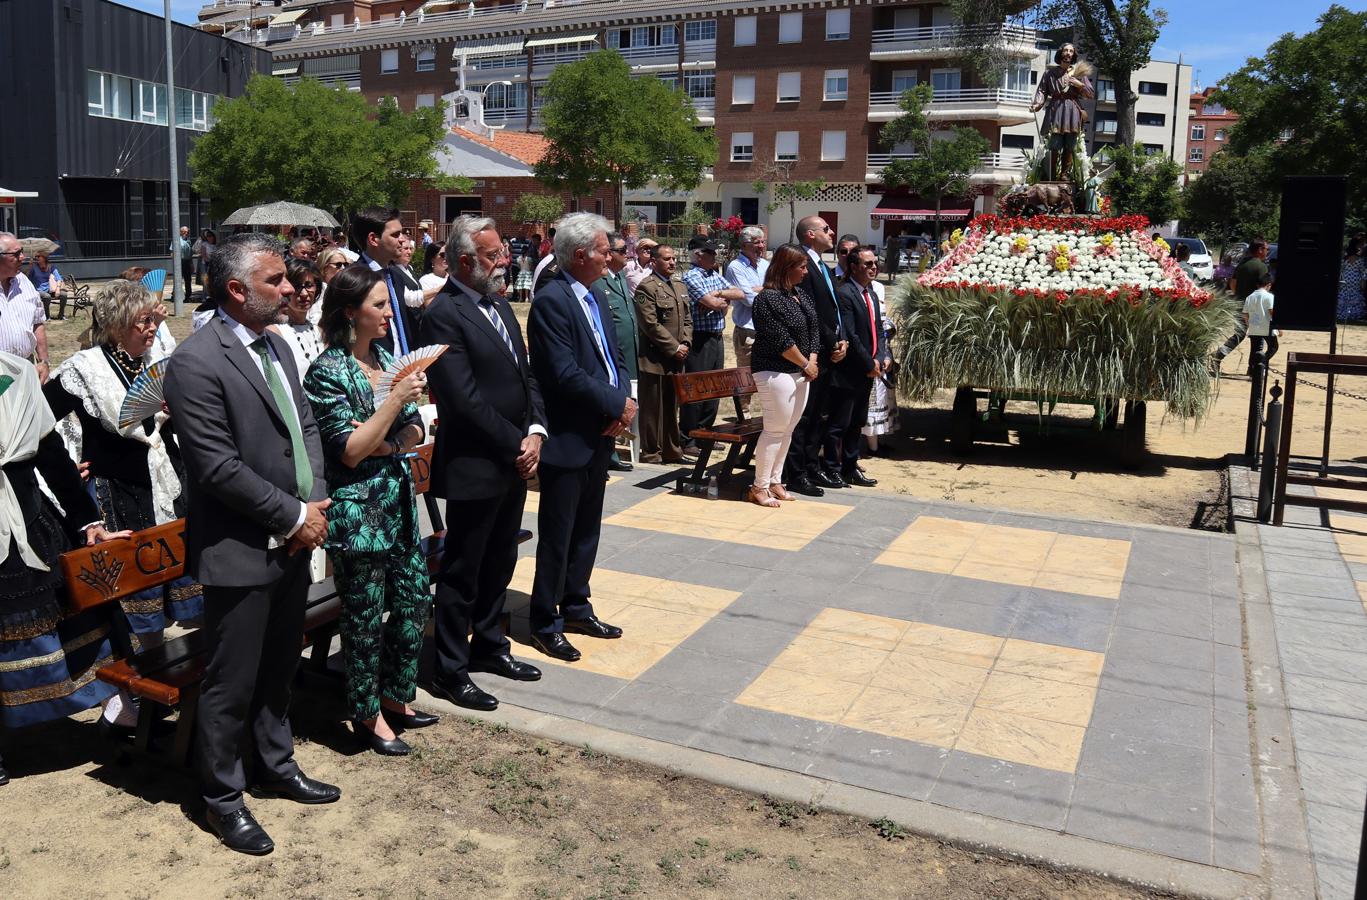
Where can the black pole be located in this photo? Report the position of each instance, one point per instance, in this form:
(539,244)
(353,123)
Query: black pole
(1271,441)
(1256,391)
(1329,406)
(1360,892)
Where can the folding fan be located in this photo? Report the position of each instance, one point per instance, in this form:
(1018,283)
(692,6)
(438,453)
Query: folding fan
(145,394)
(413,361)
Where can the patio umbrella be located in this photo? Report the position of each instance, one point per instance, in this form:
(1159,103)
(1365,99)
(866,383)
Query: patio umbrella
(282,212)
(34,245)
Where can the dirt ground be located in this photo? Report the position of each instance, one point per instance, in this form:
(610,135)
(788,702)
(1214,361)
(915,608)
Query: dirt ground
(476,811)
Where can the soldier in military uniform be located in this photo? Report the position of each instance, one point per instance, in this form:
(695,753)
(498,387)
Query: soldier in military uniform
(665,323)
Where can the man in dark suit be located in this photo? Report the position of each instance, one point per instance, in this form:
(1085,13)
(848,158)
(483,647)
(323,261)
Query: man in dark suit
(613,288)
(802,467)
(588,404)
(256,501)
(378,234)
(852,378)
(488,445)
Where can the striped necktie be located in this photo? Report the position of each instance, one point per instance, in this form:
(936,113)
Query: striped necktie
(496,320)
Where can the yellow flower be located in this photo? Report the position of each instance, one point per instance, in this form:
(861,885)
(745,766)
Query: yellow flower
(1021,244)
(956,237)
(1107,239)
(1062,263)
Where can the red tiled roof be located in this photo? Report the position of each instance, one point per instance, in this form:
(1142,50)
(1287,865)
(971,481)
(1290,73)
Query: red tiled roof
(520,145)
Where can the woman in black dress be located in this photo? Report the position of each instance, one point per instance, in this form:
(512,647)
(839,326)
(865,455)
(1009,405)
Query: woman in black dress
(47,662)
(783,362)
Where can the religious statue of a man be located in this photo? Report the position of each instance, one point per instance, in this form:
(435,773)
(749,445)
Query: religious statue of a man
(1059,93)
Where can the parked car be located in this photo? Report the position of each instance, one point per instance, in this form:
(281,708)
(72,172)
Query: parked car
(1201,262)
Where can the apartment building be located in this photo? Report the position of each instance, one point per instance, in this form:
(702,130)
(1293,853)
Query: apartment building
(1210,124)
(802,86)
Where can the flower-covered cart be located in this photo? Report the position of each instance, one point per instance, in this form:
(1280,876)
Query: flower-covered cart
(1060,309)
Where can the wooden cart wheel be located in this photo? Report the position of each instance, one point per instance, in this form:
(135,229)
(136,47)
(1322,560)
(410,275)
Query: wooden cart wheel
(961,422)
(1132,446)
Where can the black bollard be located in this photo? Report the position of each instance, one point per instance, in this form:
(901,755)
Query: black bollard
(1256,390)
(1272,436)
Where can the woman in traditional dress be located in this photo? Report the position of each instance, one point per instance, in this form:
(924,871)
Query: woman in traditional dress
(1352,300)
(883,401)
(377,563)
(135,472)
(303,336)
(1059,94)
(47,662)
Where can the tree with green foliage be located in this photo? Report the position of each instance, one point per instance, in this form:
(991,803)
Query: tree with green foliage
(945,157)
(539,209)
(1143,183)
(1304,103)
(1234,199)
(605,127)
(776,179)
(315,144)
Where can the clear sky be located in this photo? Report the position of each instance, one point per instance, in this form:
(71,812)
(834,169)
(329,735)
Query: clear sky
(1214,36)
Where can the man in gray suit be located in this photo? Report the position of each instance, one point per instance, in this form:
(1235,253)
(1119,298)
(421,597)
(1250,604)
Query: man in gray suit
(255,508)
(613,287)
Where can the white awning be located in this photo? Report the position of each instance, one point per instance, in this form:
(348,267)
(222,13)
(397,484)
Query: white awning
(500,46)
(7,194)
(574,37)
(288,18)
(286,70)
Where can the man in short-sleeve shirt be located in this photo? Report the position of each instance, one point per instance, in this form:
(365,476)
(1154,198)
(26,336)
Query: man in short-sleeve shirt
(1252,271)
(22,321)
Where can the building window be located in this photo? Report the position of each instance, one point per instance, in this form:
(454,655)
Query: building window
(151,103)
(790,28)
(1212,109)
(903,81)
(1198,132)
(1154,149)
(426,101)
(789,87)
(946,83)
(194,110)
(1016,76)
(743,89)
(1157,120)
(742,146)
(1018,142)
(832,146)
(837,24)
(785,146)
(701,85)
(1198,154)
(1105,90)
(670,79)
(427,61)
(1153,88)
(837,85)
(389,62)
(119,97)
(109,95)
(1219,134)
(745,31)
(705,30)
(338,21)
(1105,123)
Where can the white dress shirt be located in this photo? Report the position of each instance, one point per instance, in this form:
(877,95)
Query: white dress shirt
(489,312)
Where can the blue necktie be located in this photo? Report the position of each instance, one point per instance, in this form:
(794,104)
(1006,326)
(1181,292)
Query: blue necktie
(602,341)
(400,339)
(825,273)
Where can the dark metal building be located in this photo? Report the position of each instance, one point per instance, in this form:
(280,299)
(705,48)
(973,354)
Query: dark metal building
(83,86)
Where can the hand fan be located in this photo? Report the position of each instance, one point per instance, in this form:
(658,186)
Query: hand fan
(145,394)
(413,361)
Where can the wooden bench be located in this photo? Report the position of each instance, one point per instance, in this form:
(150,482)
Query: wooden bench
(168,676)
(741,435)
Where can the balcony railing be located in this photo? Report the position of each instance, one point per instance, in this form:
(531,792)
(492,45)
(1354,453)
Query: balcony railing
(998,160)
(945,35)
(965,96)
(705,106)
(555,56)
(661,53)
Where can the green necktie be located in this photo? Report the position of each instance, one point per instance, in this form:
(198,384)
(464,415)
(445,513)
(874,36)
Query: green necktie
(303,473)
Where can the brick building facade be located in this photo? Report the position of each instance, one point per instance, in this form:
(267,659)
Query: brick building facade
(1210,125)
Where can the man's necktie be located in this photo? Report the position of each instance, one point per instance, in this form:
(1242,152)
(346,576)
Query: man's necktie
(491,312)
(873,327)
(826,274)
(303,472)
(400,338)
(597,320)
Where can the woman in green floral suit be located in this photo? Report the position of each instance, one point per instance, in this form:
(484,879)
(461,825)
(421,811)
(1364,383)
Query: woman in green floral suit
(372,540)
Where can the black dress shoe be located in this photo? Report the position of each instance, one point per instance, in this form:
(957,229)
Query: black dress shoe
(504,664)
(593,627)
(830,480)
(239,831)
(415,719)
(301,789)
(382,746)
(806,487)
(620,465)
(859,479)
(466,694)
(554,645)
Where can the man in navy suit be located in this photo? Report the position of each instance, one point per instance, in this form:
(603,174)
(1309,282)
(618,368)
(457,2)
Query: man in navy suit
(378,233)
(587,395)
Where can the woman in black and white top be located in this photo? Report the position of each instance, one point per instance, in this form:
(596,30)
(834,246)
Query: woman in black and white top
(783,361)
(303,336)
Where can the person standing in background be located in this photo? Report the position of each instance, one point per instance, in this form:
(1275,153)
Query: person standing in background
(613,287)
(665,325)
(23,328)
(709,293)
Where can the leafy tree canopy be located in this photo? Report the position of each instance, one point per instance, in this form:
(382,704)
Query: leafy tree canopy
(776,179)
(314,144)
(606,127)
(945,158)
(538,208)
(1144,184)
(1233,200)
(1305,102)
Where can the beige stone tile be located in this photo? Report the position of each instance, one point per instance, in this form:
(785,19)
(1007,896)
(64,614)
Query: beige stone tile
(799,694)
(907,716)
(911,673)
(1024,548)
(533,503)
(622,658)
(1001,574)
(1089,556)
(812,653)
(967,648)
(1079,584)
(790,527)
(1038,698)
(655,626)
(1352,544)
(1050,662)
(678,596)
(1021,739)
(920,562)
(851,627)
